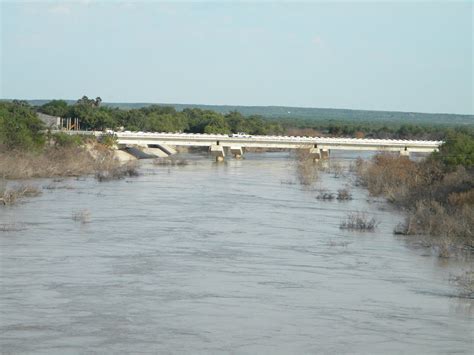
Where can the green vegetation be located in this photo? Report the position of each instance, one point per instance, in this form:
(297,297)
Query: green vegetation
(20,128)
(312,116)
(156,118)
(437,193)
(258,120)
(458,149)
(27,150)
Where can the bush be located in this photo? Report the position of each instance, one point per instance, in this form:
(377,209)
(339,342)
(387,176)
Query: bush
(109,140)
(344,195)
(108,168)
(465,284)
(457,150)
(82,216)
(62,139)
(20,128)
(438,198)
(11,196)
(359,221)
(170,161)
(325,195)
(306,168)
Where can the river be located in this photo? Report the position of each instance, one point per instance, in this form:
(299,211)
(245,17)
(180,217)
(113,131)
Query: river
(220,258)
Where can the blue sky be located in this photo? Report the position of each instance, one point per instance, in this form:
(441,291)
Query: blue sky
(400,56)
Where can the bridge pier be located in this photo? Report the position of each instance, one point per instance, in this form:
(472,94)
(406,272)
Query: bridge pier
(315,154)
(217,151)
(237,152)
(325,153)
(405,153)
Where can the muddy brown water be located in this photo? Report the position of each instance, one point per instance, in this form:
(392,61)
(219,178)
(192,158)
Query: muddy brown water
(220,258)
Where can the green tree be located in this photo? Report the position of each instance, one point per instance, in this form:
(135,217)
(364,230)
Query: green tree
(458,149)
(20,127)
(55,108)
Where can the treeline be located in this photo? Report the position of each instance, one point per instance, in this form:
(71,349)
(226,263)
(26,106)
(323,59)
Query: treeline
(19,125)
(379,130)
(157,118)
(94,116)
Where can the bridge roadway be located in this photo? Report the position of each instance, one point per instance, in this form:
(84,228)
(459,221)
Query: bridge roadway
(286,142)
(317,145)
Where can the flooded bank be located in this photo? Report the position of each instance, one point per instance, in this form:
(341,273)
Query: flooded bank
(231,257)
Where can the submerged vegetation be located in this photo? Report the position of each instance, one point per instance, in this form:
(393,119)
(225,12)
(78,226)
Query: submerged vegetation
(307,170)
(359,221)
(83,216)
(9,196)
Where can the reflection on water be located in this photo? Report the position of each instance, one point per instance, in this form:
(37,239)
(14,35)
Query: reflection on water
(219,258)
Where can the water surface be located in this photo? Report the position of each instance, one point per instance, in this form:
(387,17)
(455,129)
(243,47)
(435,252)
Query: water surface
(212,258)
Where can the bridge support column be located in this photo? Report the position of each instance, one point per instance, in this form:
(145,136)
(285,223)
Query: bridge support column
(237,152)
(217,151)
(325,153)
(315,154)
(405,153)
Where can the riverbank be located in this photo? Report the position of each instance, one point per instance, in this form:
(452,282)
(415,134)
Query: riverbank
(52,161)
(438,201)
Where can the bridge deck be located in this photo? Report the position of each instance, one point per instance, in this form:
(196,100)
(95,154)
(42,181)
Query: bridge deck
(286,142)
(283,142)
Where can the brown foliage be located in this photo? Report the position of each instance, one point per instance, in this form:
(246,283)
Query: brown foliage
(439,203)
(303,132)
(65,161)
(359,221)
(306,168)
(9,196)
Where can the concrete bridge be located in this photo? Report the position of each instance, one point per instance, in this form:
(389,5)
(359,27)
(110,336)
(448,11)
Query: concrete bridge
(319,147)
(163,144)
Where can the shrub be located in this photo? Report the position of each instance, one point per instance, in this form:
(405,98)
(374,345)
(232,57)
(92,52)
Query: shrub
(325,195)
(358,221)
(336,169)
(464,283)
(306,167)
(62,139)
(82,216)
(458,149)
(109,140)
(12,195)
(344,195)
(388,175)
(108,168)
(20,128)
(170,161)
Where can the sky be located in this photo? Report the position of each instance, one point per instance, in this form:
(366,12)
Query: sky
(397,56)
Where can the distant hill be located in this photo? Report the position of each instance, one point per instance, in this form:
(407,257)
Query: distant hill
(314,114)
